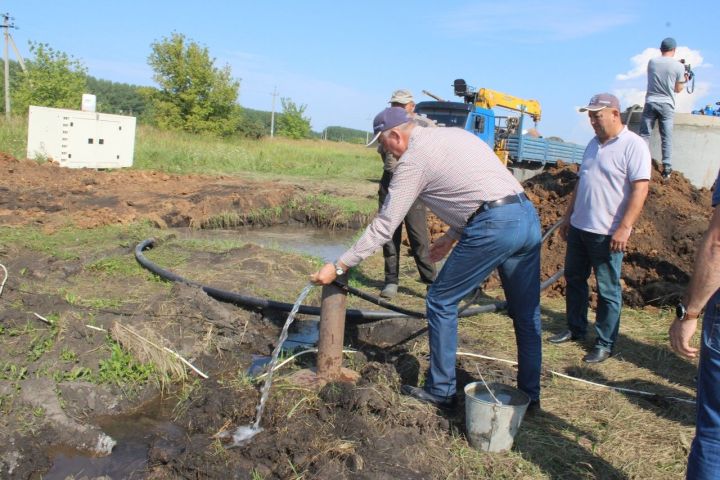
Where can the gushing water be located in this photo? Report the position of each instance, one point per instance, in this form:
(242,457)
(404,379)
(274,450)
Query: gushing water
(244,433)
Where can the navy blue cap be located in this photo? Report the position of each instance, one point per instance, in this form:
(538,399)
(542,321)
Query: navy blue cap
(389,118)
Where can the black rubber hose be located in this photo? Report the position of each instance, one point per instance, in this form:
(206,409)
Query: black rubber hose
(357,316)
(245,300)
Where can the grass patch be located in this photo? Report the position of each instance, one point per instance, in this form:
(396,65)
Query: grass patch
(125,265)
(74,243)
(265,216)
(179,153)
(13,136)
(122,370)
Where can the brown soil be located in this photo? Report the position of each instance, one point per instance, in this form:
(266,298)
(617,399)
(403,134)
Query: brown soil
(52,196)
(365,431)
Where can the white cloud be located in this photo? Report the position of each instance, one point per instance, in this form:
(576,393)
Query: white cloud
(640,61)
(630,96)
(528,21)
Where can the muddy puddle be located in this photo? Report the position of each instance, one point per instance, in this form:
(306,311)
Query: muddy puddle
(135,435)
(323,243)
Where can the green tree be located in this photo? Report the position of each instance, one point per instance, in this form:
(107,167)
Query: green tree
(15,78)
(114,97)
(193,95)
(52,79)
(292,123)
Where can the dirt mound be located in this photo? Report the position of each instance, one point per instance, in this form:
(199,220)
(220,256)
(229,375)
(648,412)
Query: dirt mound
(52,196)
(660,253)
(343,431)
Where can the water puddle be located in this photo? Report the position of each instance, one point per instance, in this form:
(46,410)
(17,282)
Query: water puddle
(324,243)
(135,434)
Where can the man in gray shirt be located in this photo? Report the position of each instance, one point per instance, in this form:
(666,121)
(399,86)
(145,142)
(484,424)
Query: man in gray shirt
(666,77)
(492,225)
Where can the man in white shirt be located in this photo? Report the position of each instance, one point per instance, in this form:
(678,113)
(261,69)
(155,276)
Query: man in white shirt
(607,200)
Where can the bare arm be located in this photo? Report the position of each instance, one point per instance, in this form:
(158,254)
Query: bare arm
(704,282)
(618,242)
(681,84)
(706,270)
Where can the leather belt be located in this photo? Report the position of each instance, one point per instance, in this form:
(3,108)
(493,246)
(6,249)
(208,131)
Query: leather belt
(509,200)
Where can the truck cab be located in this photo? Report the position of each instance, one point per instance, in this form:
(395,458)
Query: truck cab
(505,133)
(480,122)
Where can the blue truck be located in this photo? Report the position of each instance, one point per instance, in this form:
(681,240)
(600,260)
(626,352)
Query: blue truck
(521,149)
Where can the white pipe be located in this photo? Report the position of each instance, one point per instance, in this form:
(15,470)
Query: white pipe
(2,285)
(618,389)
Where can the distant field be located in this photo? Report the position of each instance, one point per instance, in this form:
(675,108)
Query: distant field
(180,153)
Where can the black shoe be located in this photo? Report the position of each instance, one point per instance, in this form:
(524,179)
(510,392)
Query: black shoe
(427,397)
(533,408)
(597,355)
(565,336)
(666,173)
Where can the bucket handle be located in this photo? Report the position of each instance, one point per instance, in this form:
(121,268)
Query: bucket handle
(497,402)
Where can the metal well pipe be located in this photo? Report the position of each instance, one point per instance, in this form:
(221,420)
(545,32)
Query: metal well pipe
(332,332)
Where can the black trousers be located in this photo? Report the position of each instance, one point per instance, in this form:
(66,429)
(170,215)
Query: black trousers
(417,231)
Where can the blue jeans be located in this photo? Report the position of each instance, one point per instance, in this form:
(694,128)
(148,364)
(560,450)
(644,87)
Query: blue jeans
(664,112)
(507,238)
(588,251)
(704,460)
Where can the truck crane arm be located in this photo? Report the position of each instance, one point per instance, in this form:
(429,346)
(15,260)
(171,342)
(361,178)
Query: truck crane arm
(487,98)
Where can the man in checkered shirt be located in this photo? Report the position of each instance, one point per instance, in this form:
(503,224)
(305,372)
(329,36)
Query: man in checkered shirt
(416,219)
(492,225)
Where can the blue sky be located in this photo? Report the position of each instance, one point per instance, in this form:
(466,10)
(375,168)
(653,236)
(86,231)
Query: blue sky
(343,60)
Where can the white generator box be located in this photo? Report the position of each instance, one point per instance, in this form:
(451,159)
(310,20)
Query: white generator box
(78,139)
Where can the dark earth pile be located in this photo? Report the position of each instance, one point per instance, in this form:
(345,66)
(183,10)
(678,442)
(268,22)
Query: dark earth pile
(660,254)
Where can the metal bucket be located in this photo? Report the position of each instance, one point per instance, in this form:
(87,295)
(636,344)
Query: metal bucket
(492,426)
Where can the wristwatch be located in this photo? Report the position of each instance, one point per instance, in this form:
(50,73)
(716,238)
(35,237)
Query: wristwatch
(338,270)
(681,312)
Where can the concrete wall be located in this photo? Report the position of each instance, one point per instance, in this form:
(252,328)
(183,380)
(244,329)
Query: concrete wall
(696,146)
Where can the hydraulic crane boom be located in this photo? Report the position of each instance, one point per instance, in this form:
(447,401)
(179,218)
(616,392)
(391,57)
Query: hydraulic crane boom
(487,98)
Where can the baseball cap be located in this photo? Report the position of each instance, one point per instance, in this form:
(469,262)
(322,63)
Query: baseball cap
(389,118)
(600,101)
(402,96)
(668,44)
